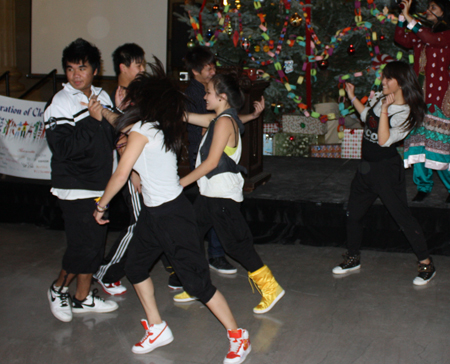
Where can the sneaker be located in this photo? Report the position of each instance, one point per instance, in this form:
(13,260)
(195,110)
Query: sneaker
(114,289)
(349,264)
(155,336)
(174,282)
(426,273)
(240,346)
(221,265)
(60,303)
(93,303)
(184,297)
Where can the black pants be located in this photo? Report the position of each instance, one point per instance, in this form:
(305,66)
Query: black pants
(384,179)
(113,267)
(85,238)
(170,229)
(225,216)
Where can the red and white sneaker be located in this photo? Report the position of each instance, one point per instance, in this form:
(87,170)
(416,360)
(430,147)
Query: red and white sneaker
(155,336)
(114,289)
(240,346)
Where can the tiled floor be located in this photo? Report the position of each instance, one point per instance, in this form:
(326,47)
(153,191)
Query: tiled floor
(372,316)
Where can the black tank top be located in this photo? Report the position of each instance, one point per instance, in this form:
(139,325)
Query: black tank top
(371,150)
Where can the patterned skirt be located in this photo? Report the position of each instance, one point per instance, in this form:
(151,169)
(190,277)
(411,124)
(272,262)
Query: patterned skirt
(430,142)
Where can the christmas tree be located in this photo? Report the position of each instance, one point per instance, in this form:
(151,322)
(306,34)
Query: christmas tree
(350,40)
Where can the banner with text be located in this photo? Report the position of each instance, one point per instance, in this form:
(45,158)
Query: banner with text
(23,148)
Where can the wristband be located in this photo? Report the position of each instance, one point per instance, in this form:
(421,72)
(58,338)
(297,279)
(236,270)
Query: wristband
(354,98)
(101,208)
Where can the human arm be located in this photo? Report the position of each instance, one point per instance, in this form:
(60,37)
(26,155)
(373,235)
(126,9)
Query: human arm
(357,104)
(259,108)
(135,146)
(222,132)
(202,120)
(383,124)
(402,36)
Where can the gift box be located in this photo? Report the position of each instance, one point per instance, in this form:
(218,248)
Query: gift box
(351,144)
(271,128)
(293,144)
(300,124)
(326,151)
(268,144)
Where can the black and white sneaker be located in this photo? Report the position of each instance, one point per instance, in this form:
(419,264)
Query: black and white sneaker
(349,264)
(174,282)
(60,303)
(93,303)
(221,265)
(426,273)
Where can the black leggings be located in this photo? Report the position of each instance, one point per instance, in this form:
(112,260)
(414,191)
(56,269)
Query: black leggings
(225,216)
(384,179)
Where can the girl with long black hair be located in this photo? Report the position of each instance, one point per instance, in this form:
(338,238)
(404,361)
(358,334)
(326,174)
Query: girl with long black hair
(154,119)
(388,118)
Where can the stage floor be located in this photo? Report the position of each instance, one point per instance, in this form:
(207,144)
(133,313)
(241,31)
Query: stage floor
(370,317)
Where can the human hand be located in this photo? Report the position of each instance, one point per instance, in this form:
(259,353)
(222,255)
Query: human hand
(98,216)
(259,107)
(95,108)
(387,101)
(406,7)
(350,89)
(121,92)
(136,181)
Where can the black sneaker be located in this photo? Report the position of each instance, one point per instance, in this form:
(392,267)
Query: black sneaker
(426,273)
(221,265)
(174,282)
(93,303)
(420,196)
(349,264)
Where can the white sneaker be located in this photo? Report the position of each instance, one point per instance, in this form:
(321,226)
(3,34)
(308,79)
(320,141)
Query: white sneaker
(114,289)
(155,336)
(240,346)
(60,303)
(184,297)
(93,303)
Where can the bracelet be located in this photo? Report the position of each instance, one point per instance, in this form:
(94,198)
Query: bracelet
(354,97)
(101,208)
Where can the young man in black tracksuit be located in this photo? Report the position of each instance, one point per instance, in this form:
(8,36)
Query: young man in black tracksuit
(82,144)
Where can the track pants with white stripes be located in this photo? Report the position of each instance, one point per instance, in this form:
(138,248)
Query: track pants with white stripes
(112,270)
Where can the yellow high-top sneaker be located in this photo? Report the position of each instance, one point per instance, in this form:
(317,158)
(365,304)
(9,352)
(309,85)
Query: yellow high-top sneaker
(269,288)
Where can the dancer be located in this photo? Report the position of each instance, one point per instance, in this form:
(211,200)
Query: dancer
(166,223)
(129,61)
(428,147)
(81,142)
(220,183)
(388,118)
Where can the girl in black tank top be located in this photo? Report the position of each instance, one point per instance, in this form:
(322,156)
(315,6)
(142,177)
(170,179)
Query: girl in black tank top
(388,120)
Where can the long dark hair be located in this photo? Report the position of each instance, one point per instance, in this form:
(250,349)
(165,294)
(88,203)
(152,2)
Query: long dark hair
(443,22)
(412,92)
(228,84)
(155,97)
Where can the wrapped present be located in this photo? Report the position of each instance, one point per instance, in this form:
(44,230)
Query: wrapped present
(351,145)
(271,128)
(293,144)
(268,144)
(293,123)
(326,151)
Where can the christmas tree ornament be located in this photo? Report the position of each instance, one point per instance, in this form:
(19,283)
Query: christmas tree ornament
(238,4)
(191,43)
(351,50)
(381,59)
(382,37)
(215,8)
(292,138)
(257,48)
(266,48)
(295,20)
(323,64)
(288,66)
(209,34)
(277,107)
(245,44)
